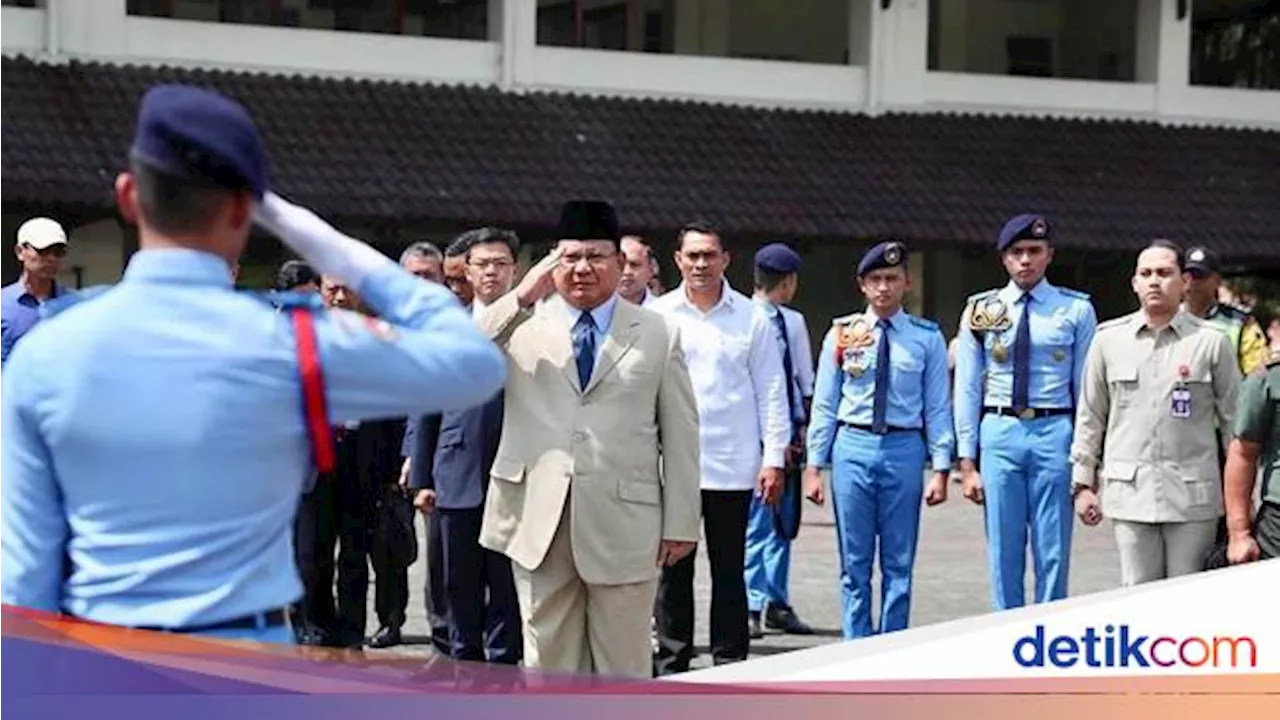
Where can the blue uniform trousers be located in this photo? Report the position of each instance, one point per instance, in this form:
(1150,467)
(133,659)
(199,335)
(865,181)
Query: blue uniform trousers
(769,547)
(877,482)
(1026,478)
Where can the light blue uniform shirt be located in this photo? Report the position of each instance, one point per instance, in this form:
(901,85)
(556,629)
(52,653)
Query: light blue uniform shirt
(1063,323)
(918,396)
(154,434)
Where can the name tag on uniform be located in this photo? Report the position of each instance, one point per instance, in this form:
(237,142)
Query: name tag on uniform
(1180,403)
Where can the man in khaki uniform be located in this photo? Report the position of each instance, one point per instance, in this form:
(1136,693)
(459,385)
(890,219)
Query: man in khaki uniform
(1157,385)
(1256,441)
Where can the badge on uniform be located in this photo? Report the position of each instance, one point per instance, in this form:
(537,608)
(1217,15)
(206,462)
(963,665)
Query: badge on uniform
(1180,398)
(851,338)
(990,314)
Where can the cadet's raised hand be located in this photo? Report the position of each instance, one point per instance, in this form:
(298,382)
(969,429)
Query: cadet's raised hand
(540,281)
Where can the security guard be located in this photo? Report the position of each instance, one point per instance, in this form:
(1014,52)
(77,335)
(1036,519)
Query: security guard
(155,443)
(1247,337)
(880,412)
(1020,353)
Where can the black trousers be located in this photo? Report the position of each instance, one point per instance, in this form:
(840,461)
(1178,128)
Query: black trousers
(341,511)
(724,517)
(483,610)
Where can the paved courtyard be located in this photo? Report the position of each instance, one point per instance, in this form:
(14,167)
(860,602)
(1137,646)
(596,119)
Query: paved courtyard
(950,576)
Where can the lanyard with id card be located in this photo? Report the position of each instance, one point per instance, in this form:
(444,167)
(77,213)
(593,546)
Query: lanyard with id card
(1180,398)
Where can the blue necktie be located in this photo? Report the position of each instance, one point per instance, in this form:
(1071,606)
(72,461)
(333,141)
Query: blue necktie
(787,368)
(584,347)
(881,407)
(1022,357)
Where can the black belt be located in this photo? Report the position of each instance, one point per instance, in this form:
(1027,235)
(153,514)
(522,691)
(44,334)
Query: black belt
(1028,413)
(271,618)
(888,428)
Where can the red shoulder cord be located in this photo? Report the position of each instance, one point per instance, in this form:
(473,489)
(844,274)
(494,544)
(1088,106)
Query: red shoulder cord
(313,396)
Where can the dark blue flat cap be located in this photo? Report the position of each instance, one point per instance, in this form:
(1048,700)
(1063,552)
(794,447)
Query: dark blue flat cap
(778,258)
(199,135)
(588,220)
(1027,226)
(885,255)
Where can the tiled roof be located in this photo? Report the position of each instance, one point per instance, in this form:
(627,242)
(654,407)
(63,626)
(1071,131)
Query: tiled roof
(398,152)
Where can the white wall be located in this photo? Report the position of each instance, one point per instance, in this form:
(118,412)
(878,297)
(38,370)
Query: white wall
(98,248)
(888,51)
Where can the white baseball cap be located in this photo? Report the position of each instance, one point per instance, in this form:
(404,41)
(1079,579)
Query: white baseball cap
(41,233)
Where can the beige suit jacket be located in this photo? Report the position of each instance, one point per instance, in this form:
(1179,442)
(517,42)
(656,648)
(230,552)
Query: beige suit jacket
(601,443)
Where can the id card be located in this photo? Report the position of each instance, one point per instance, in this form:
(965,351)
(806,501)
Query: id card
(1180,403)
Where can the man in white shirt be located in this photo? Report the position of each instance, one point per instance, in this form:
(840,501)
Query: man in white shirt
(771,528)
(637,272)
(744,431)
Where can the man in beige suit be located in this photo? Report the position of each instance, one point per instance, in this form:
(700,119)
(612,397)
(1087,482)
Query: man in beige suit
(1157,386)
(581,499)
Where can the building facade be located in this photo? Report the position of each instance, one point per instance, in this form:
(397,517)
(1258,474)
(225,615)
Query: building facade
(831,124)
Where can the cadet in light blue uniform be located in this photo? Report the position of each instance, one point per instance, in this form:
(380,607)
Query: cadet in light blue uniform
(154,444)
(881,411)
(1017,379)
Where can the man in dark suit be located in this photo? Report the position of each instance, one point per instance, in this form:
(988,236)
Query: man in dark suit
(349,506)
(450,474)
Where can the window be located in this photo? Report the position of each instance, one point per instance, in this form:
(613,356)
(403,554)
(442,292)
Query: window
(458,19)
(1080,39)
(1235,43)
(812,31)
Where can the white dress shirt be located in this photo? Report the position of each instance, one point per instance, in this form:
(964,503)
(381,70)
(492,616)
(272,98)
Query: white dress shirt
(736,369)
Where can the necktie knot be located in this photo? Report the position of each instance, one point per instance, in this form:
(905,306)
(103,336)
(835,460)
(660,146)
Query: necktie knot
(585,322)
(884,323)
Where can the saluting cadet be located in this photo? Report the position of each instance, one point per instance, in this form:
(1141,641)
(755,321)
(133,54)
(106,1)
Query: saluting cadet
(154,440)
(880,413)
(1019,357)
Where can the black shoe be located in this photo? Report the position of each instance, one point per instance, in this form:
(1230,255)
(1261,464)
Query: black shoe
(754,628)
(385,637)
(781,617)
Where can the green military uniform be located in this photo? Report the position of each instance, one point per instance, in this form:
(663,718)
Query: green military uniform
(1258,421)
(1246,335)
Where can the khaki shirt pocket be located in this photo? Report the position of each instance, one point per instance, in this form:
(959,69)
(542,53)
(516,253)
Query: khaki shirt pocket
(643,492)
(507,469)
(1123,383)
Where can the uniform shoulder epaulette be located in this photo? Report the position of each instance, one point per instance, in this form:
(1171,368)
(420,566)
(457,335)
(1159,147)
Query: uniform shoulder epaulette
(981,295)
(1114,322)
(59,304)
(1077,294)
(925,323)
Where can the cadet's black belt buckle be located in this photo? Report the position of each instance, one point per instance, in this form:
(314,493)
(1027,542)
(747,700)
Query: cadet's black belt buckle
(1027,413)
(888,429)
(255,621)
